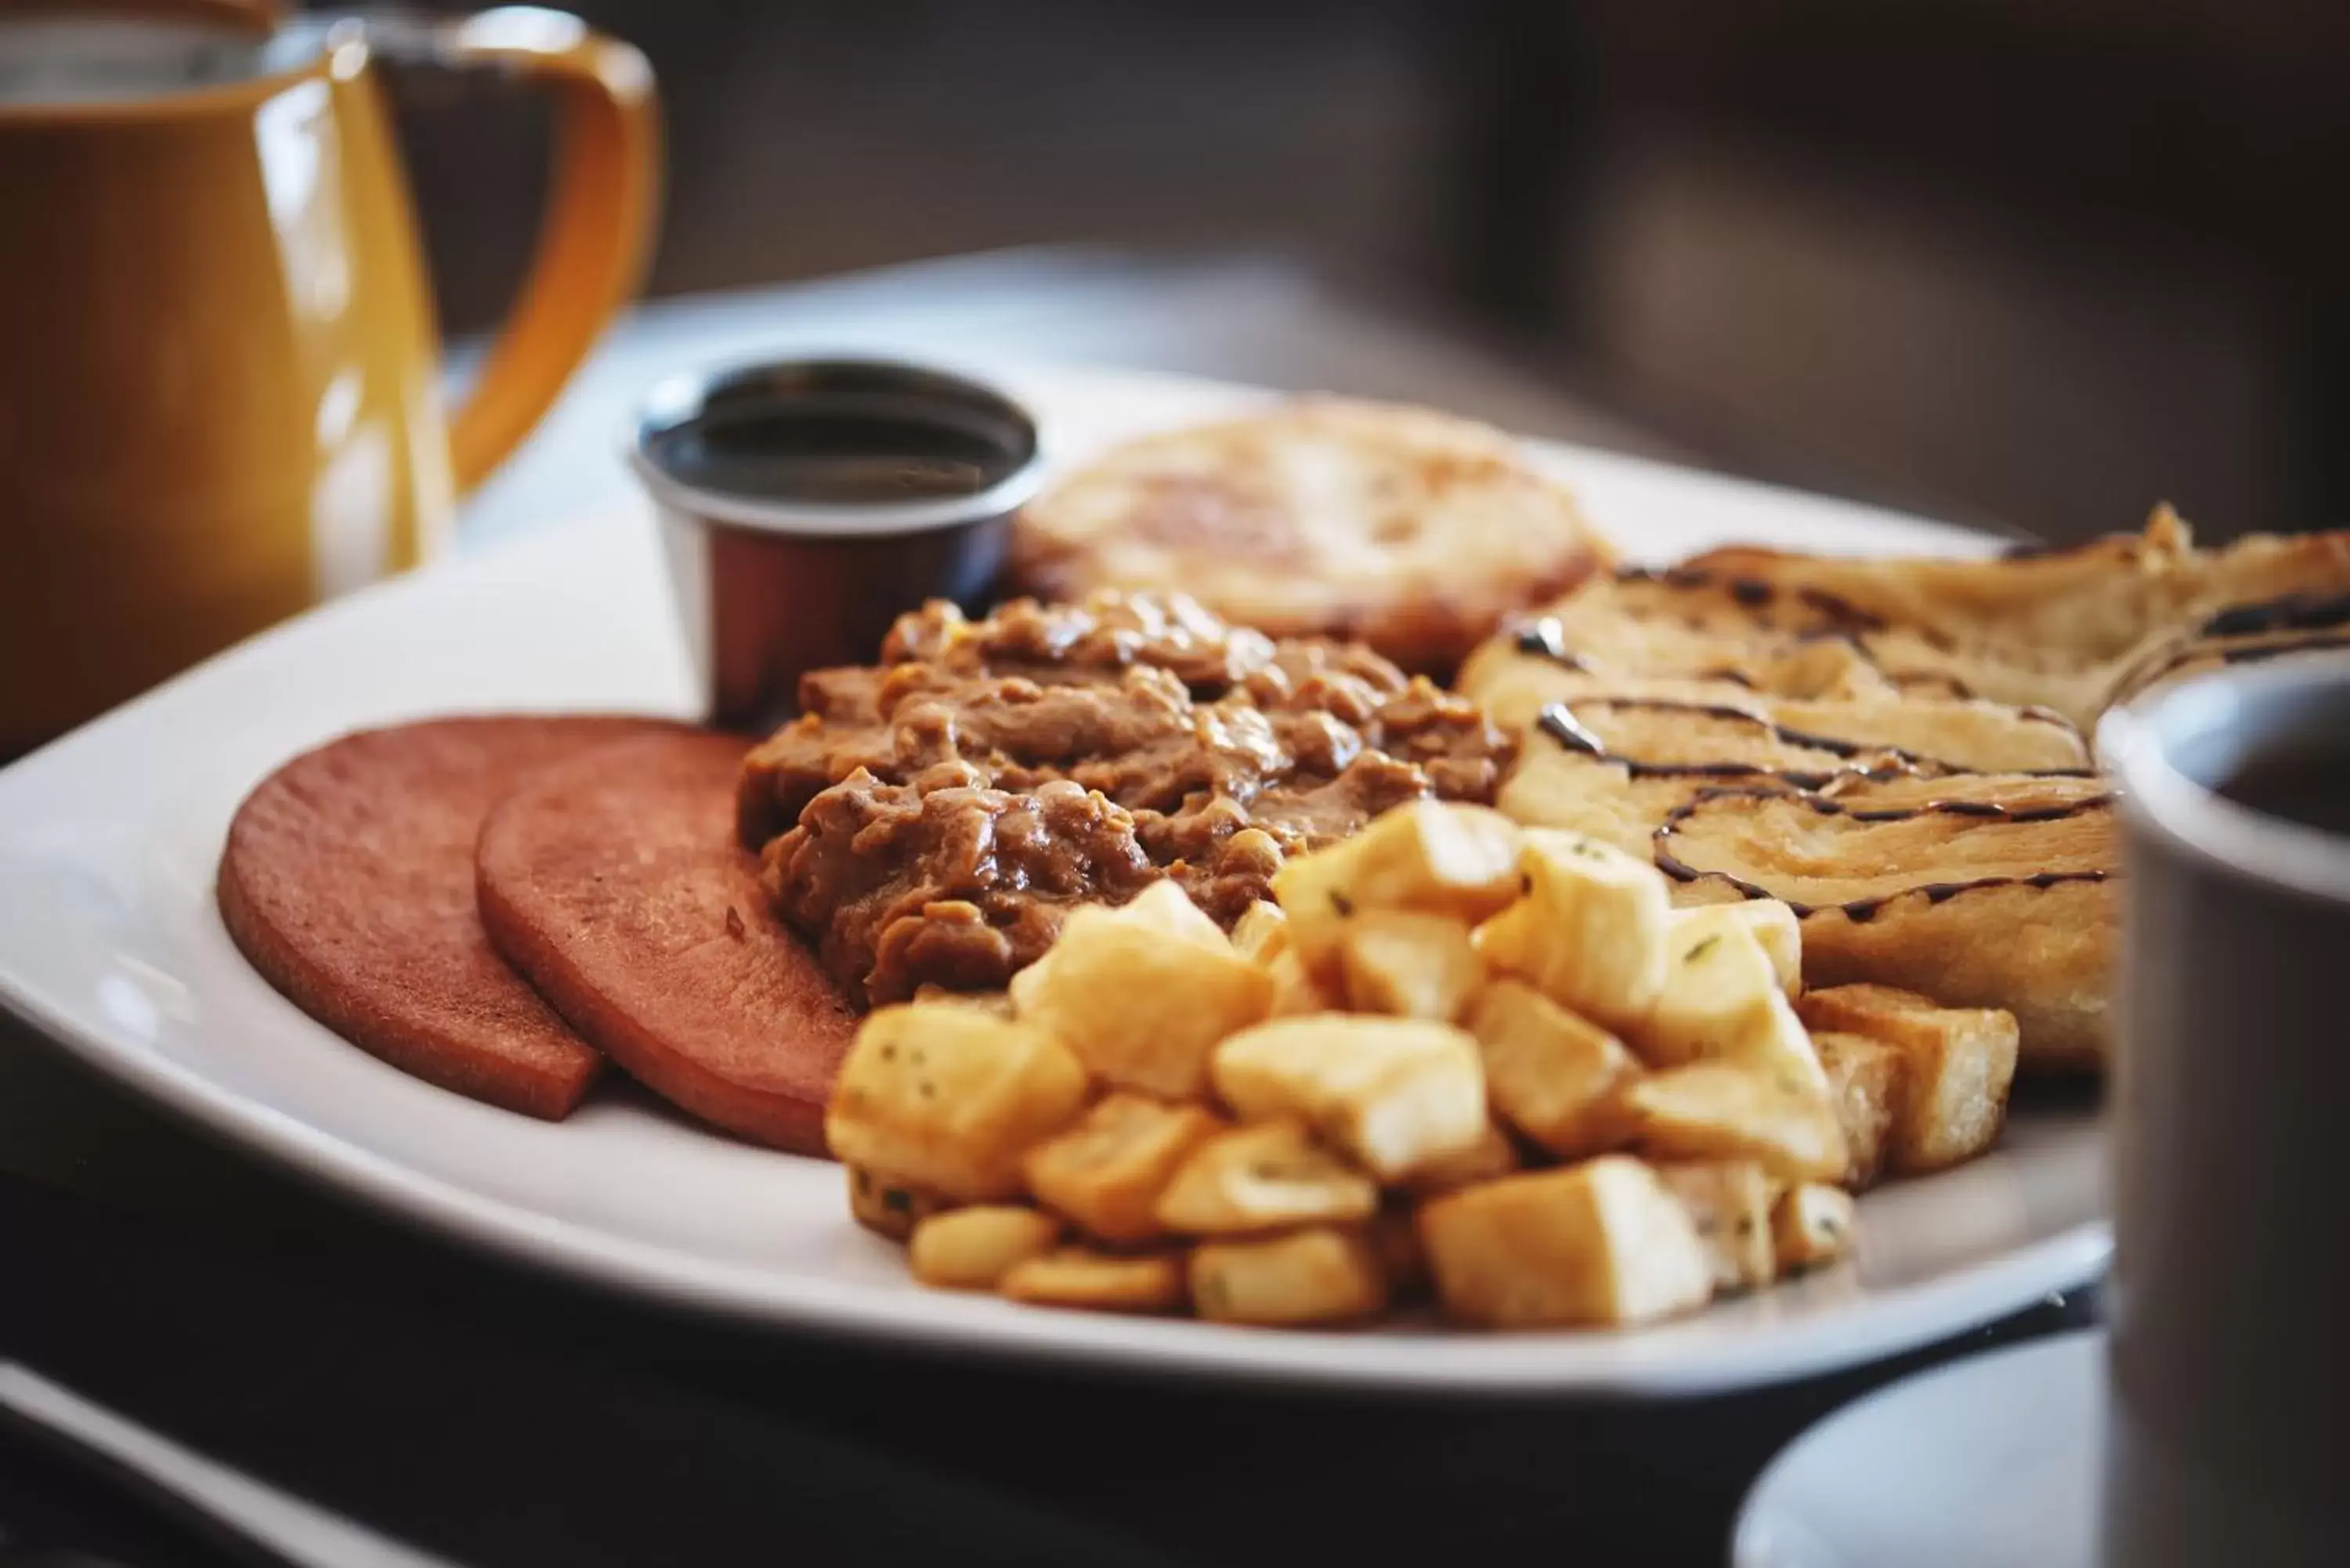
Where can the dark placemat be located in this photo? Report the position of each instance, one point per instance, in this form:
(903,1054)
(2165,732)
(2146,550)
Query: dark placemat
(498,1417)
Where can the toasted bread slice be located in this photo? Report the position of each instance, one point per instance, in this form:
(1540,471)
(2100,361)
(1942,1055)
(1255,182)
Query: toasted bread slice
(2298,626)
(2057,627)
(1411,530)
(1615,768)
(1674,636)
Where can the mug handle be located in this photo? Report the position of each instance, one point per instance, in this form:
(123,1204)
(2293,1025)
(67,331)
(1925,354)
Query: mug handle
(601,212)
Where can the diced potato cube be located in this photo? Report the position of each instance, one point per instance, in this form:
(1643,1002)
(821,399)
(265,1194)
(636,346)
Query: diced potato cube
(1599,1242)
(1395,1093)
(1721,1002)
(1262,933)
(1099,1281)
(888,1207)
(1591,933)
(972,1249)
(948,1098)
(1550,786)
(1409,964)
(998,1002)
(1771,923)
(1318,1276)
(1107,1172)
(1295,992)
(1493,1154)
(1728,1200)
(1867,1079)
(1140,995)
(1458,860)
(1714,1110)
(1813,1224)
(1264,1177)
(1555,1077)
(1960,1064)
(1165,908)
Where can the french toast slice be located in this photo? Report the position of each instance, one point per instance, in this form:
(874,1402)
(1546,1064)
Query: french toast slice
(1615,768)
(2292,627)
(1673,636)
(2057,627)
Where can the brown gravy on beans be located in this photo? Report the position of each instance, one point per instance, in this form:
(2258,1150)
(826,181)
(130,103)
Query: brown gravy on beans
(933,818)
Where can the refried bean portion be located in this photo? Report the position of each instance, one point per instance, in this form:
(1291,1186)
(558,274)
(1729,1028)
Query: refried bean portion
(933,818)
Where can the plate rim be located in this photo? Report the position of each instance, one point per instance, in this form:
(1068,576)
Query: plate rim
(1759,1510)
(1482,1366)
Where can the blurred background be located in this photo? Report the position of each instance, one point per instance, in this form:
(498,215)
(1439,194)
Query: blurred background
(2018,263)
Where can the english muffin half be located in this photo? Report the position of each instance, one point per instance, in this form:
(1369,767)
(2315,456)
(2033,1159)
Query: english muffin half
(1411,530)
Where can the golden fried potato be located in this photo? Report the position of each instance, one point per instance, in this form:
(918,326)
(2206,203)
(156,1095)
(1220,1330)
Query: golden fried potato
(1317,1276)
(1394,1094)
(1263,1176)
(1866,1080)
(1813,1224)
(1493,1154)
(1409,965)
(1294,992)
(1771,923)
(888,1207)
(1555,1077)
(972,1249)
(1262,933)
(1107,1172)
(1716,1110)
(1599,1242)
(947,1098)
(1458,860)
(1165,908)
(1591,933)
(1140,995)
(1721,1001)
(998,1002)
(1728,1200)
(1960,1064)
(1100,1281)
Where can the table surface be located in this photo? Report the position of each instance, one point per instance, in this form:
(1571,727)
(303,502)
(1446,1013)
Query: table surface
(500,1416)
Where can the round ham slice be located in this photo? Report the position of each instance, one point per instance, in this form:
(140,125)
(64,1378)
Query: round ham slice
(615,882)
(347,881)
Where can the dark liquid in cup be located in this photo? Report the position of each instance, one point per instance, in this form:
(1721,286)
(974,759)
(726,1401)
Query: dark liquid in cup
(809,451)
(2307,783)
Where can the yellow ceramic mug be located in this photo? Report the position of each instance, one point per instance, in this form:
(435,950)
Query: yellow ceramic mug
(218,367)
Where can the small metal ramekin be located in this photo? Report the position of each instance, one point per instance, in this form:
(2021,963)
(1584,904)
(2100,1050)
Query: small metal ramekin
(768,588)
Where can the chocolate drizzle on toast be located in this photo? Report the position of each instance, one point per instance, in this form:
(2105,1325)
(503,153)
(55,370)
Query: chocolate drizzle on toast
(1558,723)
(2293,612)
(1544,638)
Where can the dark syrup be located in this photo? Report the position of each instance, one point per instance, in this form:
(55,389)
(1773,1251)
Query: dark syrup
(801,449)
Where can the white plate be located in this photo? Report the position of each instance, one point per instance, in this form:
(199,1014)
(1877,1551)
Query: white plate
(109,942)
(1990,1462)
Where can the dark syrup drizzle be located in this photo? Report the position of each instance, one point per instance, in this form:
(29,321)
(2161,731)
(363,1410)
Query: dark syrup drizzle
(1558,722)
(2311,645)
(1546,637)
(1862,910)
(2293,612)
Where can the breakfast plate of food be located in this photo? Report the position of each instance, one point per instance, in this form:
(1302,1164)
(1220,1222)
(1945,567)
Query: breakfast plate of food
(1364,902)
